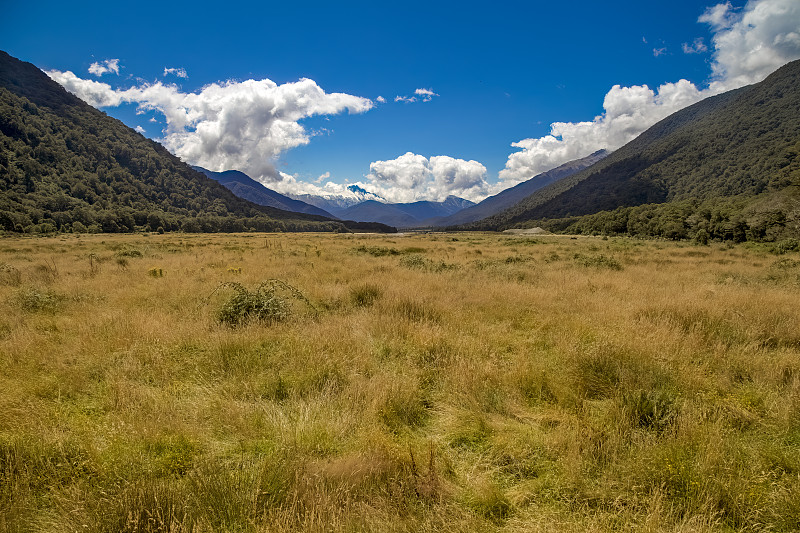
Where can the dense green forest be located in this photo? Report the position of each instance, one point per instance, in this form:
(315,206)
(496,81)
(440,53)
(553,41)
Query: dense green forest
(727,167)
(65,166)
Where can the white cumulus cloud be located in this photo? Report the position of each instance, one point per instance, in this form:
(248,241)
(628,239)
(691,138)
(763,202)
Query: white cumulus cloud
(408,178)
(747,46)
(426,94)
(229,125)
(750,45)
(413,177)
(139,129)
(103,67)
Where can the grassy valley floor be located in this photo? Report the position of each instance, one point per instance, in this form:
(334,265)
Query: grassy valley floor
(459,382)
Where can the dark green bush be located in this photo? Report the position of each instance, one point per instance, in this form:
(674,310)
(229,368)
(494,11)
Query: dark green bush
(269,302)
(598,261)
(32,299)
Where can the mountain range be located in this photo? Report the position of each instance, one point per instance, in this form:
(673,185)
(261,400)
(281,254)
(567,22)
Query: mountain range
(361,206)
(246,187)
(725,168)
(404,215)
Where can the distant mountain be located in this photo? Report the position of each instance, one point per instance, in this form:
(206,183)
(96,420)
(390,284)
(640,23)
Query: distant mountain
(246,187)
(408,215)
(728,165)
(336,203)
(66,166)
(509,197)
(374,211)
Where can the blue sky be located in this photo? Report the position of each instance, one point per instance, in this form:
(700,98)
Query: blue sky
(499,73)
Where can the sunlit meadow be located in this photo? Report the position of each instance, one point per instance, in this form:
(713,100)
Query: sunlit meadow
(450,382)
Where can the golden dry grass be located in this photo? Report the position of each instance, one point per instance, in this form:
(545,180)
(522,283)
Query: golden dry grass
(461,382)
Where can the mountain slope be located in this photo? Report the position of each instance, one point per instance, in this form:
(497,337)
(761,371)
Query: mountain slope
(374,211)
(404,215)
(513,195)
(742,144)
(246,187)
(64,165)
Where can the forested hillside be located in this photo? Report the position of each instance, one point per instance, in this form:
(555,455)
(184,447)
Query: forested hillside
(513,195)
(729,160)
(65,166)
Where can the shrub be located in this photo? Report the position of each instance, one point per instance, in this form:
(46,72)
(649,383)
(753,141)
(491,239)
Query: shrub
(156,272)
(32,299)
(129,252)
(376,251)
(598,261)
(420,262)
(268,302)
(786,246)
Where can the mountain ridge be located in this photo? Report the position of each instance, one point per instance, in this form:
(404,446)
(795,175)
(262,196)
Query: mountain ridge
(739,144)
(512,195)
(246,187)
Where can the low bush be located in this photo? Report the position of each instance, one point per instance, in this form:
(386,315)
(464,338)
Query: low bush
(269,302)
(33,300)
(420,262)
(376,251)
(598,261)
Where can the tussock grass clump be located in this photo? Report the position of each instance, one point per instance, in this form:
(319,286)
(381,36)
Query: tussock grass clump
(489,500)
(10,275)
(144,506)
(650,409)
(46,272)
(365,295)
(404,407)
(415,311)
